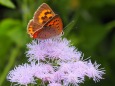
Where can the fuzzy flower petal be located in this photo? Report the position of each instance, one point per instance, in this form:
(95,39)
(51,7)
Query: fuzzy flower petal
(57,48)
(56,63)
(94,72)
(71,73)
(43,71)
(75,72)
(21,75)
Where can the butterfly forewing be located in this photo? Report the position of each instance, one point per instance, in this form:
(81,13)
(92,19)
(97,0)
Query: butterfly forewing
(43,14)
(52,28)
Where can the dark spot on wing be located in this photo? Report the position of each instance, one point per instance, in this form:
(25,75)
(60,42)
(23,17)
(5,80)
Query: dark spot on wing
(50,17)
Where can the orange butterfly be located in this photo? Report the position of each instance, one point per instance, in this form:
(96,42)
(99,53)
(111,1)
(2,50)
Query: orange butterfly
(45,23)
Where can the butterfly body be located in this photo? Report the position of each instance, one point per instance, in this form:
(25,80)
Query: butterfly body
(45,23)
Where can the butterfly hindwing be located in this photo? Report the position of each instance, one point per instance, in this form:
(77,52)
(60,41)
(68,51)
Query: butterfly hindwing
(32,28)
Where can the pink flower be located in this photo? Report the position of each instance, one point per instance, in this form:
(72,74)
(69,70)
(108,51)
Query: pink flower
(75,72)
(21,75)
(55,62)
(52,49)
(43,71)
(94,72)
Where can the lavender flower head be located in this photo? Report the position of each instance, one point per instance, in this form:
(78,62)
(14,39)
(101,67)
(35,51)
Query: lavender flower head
(52,49)
(55,63)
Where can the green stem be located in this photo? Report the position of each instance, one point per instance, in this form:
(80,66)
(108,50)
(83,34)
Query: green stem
(9,65)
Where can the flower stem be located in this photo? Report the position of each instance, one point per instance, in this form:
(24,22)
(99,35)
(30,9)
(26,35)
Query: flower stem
(9,65)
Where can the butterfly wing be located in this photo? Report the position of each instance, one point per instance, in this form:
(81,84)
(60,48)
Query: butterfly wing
(32,28)
(52,28)
(43,14)
(45,23)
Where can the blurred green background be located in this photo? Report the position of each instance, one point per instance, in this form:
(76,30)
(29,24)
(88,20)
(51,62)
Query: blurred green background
(89,24)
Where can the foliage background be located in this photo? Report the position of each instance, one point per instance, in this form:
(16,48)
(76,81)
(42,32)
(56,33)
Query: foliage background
(90,27)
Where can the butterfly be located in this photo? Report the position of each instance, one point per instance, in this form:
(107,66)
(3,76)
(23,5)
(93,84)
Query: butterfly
(45,23)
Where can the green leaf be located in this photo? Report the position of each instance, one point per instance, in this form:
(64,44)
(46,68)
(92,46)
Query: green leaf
(96,3)
(13,29)
(18,36)
(8,24)
(5,47)
(11,61)
(93,33)
(69,27)
(110,25)
(7,3)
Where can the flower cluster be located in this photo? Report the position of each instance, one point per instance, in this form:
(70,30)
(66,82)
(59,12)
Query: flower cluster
(54,62)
